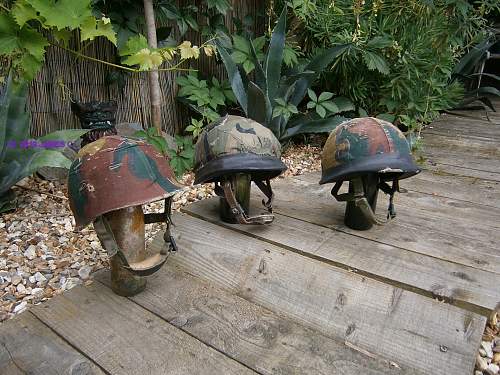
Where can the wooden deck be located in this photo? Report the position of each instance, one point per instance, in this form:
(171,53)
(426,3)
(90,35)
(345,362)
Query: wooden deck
(305,295)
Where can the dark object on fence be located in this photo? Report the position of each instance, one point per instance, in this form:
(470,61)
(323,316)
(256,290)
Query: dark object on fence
(367,152)
(232,152)
(107,185)
(100,117)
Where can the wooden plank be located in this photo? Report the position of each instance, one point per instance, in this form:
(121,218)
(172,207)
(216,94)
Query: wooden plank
(444,166)
(458,158)
(416,204)
(447,238)
(465,286)
(123,338)
(462,144)
(262,340)
(406,328)
(468,189)
(458,125)
(418,207)
(29,347)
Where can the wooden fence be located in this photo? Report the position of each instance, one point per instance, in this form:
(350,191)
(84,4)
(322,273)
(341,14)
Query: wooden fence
(64,77)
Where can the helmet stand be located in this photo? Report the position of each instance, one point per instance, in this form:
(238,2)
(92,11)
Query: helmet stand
(354,217)
(128,228)
(241,187)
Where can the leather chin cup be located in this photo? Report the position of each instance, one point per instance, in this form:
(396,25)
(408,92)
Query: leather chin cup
(239,213)
(151,264)
(358,196)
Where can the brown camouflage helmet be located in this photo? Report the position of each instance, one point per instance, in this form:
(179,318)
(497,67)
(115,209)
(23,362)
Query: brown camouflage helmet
(233,145)
(115,172)
(366,146)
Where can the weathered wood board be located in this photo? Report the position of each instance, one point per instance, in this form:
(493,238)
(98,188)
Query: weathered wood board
(262,340)
(27,346)
(123,338)
(391,264)
(395,324)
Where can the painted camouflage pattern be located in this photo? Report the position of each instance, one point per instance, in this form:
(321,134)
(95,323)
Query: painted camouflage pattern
(362,138)
(116,172)
(232,135)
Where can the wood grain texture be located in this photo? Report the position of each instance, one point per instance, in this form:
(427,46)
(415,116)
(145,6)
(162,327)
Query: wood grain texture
(397,325)
(123,338)
(29,347)
(450,237)
(410,270)
(262,340)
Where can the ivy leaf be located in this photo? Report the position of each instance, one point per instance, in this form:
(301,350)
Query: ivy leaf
(312,95)
(239,57)
(23,12)
(248,66)
(188,52)
(134,44)
(241,44)
(62,13)
(92,28)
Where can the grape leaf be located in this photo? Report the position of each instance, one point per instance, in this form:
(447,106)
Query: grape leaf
(145,58)
(23,12)
(8,34)
(134,44)
(187,51)
(92,28)
(33,42)
(63,13)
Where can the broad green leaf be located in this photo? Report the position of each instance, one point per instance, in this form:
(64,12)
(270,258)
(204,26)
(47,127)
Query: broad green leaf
(306,124)
(311,104)
(134,44)
(234,76)
(45,158)
(33,42)
(321,111)
(275,56)
(23,12)
(241,44)
(259,108)
(280,101)
(248,66)
(386,117)
(29,66)
(239,57)
(63,135)
(146,59)
(331,107)
(343,104)
(8,34)
(92,28)
(312,95)
(259,42)
(62,13)
(325,96)
(260,75)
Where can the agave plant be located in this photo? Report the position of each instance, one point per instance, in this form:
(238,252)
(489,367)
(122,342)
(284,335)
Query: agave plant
(21,156)
(273,97)
(465,71)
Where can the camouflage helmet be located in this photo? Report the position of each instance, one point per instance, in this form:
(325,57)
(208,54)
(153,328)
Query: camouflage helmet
(233,145)
(366,146)
(113,173)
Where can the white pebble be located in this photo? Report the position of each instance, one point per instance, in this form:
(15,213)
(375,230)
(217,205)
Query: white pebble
(30,252)
(84,272)
(20,308)
(39,277)
(486,345)
(21,289)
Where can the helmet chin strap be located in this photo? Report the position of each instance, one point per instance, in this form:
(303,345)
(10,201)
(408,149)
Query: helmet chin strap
(149,265)
(227,192)
(358,196)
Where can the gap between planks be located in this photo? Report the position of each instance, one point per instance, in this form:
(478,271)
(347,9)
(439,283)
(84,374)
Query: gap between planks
(395,324)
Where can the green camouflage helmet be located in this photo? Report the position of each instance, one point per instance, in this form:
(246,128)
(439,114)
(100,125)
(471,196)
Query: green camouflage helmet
(366,147)
(233,145)
(113,173)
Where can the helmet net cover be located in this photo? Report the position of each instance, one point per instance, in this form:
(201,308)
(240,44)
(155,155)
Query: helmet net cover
(235,144)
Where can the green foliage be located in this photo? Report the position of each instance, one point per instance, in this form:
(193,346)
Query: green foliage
(272,95)
(17,162)
(401,52)
(181,158)
(24,46)
(206,98)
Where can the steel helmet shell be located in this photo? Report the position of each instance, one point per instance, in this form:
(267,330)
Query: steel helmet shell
(366,145)
(116,172)
(235,144)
